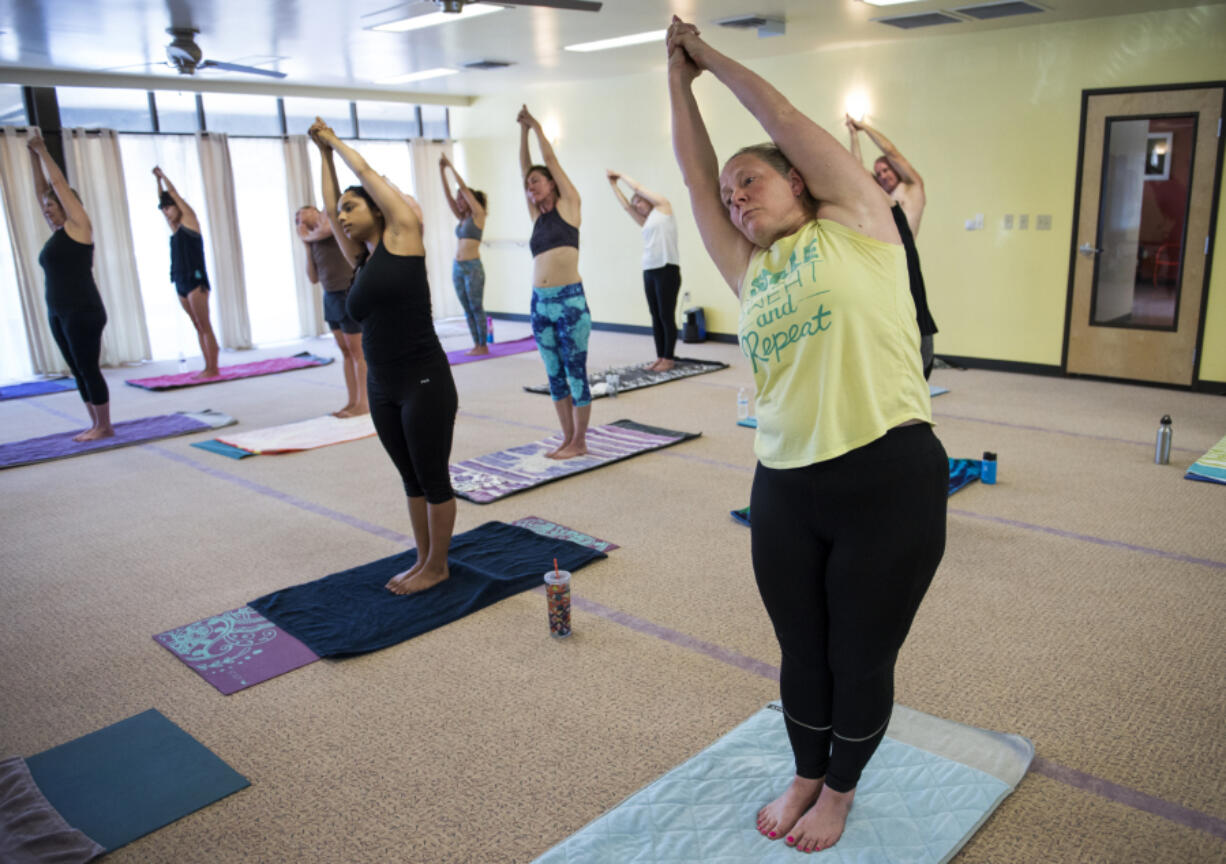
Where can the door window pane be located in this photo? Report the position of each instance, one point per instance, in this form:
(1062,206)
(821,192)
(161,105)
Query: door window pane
(1142,221)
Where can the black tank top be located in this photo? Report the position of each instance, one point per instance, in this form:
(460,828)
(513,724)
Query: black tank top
(390,298)
(187,257)
(68,267)
(550,231)
(922,316)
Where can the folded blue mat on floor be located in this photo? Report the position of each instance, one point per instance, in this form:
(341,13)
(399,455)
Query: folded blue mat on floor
(962,472)
(37,388)
(131,778)
(352,612)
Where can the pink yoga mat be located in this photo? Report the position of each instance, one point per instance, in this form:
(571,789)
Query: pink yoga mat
(229,373)
(497,349)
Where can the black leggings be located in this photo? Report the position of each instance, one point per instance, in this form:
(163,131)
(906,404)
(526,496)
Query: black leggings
(78,333)
(662,285)
(413,409)
(843,552)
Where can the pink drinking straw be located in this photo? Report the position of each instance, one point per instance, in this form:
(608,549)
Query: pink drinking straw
(556,574)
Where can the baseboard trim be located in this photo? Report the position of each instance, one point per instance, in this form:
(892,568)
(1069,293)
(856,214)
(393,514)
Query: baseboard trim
(636,329)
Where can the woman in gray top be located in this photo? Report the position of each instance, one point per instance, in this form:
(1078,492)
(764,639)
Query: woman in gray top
(467,273)
(327,266)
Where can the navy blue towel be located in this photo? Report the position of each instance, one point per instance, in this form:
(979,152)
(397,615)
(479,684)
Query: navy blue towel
(351,612)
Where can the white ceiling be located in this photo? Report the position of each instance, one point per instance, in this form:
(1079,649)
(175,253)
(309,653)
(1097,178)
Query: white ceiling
(323,43)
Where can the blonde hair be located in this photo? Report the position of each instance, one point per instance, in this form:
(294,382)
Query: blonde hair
(770,153)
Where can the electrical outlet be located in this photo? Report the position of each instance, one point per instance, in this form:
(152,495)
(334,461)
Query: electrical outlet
(1023,221)
(1042,222)
(978,221)
(1008,222)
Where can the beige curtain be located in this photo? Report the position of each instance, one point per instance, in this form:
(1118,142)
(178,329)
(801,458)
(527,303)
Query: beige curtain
(440,224)
(95,170)
(28,231)
(299,190)
(226,264)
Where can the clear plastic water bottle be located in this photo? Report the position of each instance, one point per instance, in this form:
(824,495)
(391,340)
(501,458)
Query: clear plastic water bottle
(182,364)
(613,381)
(742,404)
(489,330)
(1162,446)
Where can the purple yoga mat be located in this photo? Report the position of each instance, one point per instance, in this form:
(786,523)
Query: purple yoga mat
(236,649)
(61,445)
(497,349)
(229,373)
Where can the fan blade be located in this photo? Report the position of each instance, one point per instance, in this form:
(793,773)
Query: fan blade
(573,5)
(235,67)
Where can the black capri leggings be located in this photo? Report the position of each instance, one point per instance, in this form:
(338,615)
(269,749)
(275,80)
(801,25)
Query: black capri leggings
(843,552)
(78,333)
(413,409)
(662,285)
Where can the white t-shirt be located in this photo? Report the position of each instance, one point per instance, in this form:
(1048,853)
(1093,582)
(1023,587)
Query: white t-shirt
(659,240)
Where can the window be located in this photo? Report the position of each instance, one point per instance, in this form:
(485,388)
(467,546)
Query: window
(176,111)
(301,113)
(240,114)
(12,105)
(434,122)
(389,158)
(15,362)
(387,120)
(103,108)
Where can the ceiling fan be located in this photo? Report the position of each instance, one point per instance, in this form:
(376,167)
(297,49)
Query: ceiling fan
(185,56)
(455,6)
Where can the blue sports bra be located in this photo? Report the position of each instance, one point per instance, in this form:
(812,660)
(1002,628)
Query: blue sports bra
(551,231)
(467,229)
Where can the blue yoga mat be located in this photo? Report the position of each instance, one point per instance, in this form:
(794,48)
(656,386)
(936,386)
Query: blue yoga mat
(37,388)
(352,612)
(131,778)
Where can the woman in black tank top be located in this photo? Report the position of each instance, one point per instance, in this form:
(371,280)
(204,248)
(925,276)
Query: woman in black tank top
(187,268)
(412,396)
(74,306)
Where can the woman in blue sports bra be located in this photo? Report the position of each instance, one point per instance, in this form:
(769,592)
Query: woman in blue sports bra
(467,273)
(561,322)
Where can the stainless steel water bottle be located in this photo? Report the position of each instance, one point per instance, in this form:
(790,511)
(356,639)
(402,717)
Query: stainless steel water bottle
(1162,446)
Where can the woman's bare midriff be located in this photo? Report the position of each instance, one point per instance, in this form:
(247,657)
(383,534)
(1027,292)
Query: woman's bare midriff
(555,267)
(467,249)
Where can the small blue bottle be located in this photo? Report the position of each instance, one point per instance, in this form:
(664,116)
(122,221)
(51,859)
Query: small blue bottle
(987,468)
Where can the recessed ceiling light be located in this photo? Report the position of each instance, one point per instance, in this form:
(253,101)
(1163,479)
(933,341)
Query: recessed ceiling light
(433,19)
(620,41)
(424,75)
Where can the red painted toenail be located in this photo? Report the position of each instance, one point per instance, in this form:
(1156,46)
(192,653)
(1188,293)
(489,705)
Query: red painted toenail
(791,839)
(773,834)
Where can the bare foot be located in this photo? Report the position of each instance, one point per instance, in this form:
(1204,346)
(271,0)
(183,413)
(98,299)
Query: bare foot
(400,578)
(778,817)
(343,412)
(94,434)
(359,409)
(207,373)
(652,366)
(665,365)
(553,454)
(423,579)
(478,349)
(822,825)
(570,451)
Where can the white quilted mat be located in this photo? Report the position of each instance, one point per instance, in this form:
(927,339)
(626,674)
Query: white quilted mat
(927,789)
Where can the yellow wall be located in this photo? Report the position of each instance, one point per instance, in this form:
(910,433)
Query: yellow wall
(990,120)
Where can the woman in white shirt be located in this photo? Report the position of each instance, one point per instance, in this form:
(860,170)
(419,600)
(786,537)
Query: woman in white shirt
(661,263)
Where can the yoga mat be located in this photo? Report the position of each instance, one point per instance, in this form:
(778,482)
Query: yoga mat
(236,649)
(31,831)
(292,437)
(229,373)
(1210,468)
(636,377)
(61,445)
(351,612)
(37,388)
(962,473)
(552,529)
(129,779)
(752,422)
(505,472)
(929,787)
(497,349)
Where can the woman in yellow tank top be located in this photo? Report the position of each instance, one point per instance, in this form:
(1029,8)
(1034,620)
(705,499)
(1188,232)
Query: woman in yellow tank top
(849,493)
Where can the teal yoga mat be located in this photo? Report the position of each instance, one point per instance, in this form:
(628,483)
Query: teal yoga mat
(131,778)
(929,787)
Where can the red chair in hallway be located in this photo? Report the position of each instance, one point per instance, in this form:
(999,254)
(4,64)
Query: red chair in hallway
(1168,261)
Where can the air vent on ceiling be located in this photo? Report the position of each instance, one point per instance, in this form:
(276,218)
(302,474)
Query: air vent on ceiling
(765,26)
(922,19)
(488,64)
(1003,9)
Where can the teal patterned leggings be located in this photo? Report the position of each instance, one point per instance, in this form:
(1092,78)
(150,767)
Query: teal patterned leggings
(561,325)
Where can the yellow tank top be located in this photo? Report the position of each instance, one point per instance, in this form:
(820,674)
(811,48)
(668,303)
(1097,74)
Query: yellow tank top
(828,325)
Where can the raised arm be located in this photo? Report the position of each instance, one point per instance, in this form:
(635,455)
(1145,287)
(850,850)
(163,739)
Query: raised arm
(568,195)
(621,197)
(187,214)
(475,207)
(846,194)
(525,160)
(400,219)
(41,186)
(443,164)
(853,133)
(728,247)
(907,175)
(351,249)
(76,219)
(657,200)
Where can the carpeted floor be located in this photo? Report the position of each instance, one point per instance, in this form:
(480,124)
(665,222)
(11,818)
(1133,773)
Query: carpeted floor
(1080,603)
